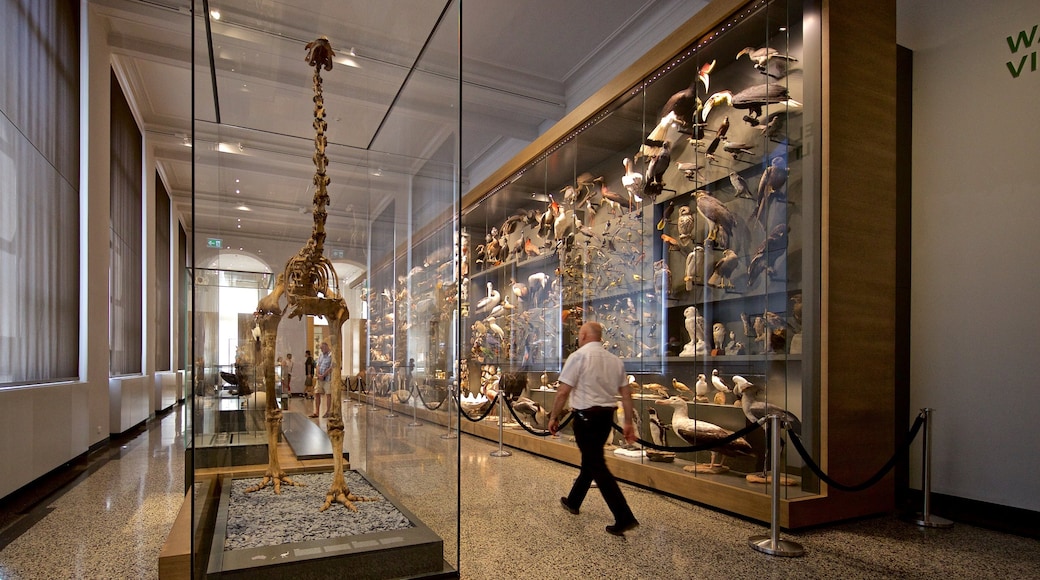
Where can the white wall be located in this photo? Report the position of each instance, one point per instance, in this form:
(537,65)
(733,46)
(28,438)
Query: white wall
(976,244)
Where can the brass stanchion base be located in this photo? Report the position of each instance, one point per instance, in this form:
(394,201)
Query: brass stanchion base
(928,522)
(782,548)
(500,453)
(449,436)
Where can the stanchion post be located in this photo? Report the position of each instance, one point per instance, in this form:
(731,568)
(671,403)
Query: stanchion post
(772,544)
(390,399)
(451,401)
(415,420)
(501,451)
(925,518)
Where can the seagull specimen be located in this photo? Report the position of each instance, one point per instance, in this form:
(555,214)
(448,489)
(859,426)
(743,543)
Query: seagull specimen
(697,432)
(768,252)
(751,99)
(761,56)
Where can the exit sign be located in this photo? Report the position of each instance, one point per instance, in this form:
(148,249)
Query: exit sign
(213,243)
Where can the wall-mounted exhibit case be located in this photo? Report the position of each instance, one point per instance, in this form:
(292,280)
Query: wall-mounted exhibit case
(312,199)
(725,209)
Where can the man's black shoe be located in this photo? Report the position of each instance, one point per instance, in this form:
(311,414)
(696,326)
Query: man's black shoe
(620,529)
(567,506)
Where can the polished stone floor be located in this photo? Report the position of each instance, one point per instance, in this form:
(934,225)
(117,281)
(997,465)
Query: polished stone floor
(108,516)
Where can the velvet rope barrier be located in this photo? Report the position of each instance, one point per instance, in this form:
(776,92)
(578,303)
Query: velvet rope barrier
(544,433)
(458,399)
(427,405)
(900,453)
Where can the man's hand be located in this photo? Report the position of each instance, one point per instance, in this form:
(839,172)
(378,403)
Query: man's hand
(630,431)
(554,425)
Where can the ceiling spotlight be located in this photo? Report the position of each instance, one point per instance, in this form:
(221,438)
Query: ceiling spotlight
(214,14)
(243,208)
(352,53)
(237,180)
(186,141)
(377,172)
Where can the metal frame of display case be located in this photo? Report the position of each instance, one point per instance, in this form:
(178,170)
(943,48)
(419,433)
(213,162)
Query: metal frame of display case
(839,257)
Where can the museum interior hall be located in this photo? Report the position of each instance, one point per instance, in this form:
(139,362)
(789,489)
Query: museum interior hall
(460,289)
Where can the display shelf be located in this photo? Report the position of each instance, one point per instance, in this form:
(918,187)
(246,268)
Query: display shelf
(701,221)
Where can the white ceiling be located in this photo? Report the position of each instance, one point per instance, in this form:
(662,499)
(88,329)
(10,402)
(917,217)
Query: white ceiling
(524,65)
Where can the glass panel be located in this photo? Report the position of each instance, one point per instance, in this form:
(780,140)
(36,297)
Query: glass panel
(325,229)
(696,249)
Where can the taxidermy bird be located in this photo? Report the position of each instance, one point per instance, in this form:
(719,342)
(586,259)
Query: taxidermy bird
(680,387)
(529,409)
(685,223)
(761,56)
(701,388)
(718,334)
(751,99)
(755,408)
(740,185)
(692,171)
(773,178)
(666,215)
(724,268)
(768,252)
(723,221)
(536,285)
(530,249)
(721,387)
(518,289)
(632,180)
(694,267)
(658,433)
(736,149)
(796,311)
(773,124)
(654,185)
(490,301)
(657,389)
(701,432)
(672,243)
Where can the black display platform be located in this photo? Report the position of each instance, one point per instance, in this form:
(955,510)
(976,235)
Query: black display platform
(306,438)
(410,552)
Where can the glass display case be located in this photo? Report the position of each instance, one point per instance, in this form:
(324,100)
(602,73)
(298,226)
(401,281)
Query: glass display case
(683,208)
(345,229)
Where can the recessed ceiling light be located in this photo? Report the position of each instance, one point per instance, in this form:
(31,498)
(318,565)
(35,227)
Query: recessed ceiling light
(237,180)
(243,208)
(214,14)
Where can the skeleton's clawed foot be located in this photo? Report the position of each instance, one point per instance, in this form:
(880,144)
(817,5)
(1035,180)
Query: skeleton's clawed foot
(344,497)
(276,482)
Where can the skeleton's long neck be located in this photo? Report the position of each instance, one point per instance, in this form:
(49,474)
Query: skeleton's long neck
(321,180)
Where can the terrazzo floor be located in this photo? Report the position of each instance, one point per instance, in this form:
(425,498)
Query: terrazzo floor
(112,518)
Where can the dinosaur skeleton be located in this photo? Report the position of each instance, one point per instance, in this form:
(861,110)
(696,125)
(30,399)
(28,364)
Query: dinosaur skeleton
(310,287)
